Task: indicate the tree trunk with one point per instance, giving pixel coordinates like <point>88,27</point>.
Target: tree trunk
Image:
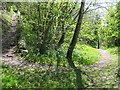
<point>72,46</point>
<point>98,43</point>
<point>61,41</point>
<point>79,79</point>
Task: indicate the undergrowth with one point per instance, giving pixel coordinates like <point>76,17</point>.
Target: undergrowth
<point>113,50</point>
<point>37,78</point>
<point>82,54</point>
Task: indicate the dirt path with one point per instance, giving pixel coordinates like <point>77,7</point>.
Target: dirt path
<point>98,75</point>
<point>103,73</point>
<point>10,58</point>
<point>106,59</point>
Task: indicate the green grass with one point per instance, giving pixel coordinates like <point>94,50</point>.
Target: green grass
<point>8,78</point>
<point>116,52</point>
<point>36,78</point>
<point>106,77</point>
<point>113,50</point>
<point>83,54</point>
<point>42,78</point>
<point>7,16</point>
<point>14,77</point>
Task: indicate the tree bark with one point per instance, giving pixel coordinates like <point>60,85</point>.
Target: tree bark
<point>76,33</point>
<point>98,43</point>
<point>72,46</point>
<point>61,41</point>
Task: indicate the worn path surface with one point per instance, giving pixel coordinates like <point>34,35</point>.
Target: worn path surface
<point>98,78</point>
<point>98,75</point>
<point>106,59</point>
<point>10,58</point>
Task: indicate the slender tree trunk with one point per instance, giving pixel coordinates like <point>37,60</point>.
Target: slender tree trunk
<point>76,33</point>
<point>72,46</point>
<point>39,17</point>
<point>98,43</point>
<point>38,31</point>
<point>61,41</point>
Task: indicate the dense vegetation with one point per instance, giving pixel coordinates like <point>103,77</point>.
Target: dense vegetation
<point>66,39</point>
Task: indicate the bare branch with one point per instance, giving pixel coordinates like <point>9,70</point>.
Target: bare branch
<point>88,7</point>
<point>84,11</point>
<point>95,9</point>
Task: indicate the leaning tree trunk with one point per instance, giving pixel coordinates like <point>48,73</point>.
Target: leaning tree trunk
<point>72,46</point>
<point>61,41</point>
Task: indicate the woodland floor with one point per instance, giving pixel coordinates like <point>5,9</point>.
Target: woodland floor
<point>10,58</point>
<point>102,74</point>
<point>106,59</point>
